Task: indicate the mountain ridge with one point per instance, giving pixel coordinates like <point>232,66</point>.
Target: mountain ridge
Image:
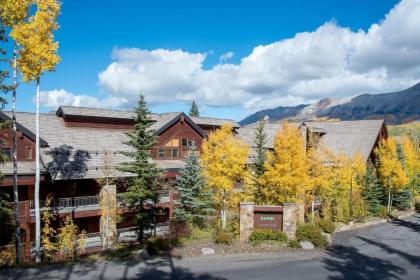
<point>395,107</point>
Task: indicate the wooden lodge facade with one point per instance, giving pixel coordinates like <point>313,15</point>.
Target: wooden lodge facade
<point>81,145</point>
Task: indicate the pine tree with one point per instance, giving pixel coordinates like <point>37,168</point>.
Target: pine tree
<point>403,199</point>
<point>142,190</point>
<point>194,112</point>
<point>260,158</point>
<point>194,202</point>
<point>372,190</point>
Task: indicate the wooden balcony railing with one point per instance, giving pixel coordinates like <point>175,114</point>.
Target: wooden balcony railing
<point>88,201</point>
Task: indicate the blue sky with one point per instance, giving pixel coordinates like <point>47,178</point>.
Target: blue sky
<point>94,35</point>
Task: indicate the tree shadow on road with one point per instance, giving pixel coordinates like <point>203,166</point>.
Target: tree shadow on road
<point>347,263</point>
<point>46,272</point>
<point>413,226</point>
<point>415,260</point>
<point>154,271</point>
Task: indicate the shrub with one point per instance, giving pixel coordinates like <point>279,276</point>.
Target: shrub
<point>294,244</point>
<point>311,232</point>
<point>326,225</point>
<point>260,235</point>
<point>417,206</point>
<point>223,237</point>
<point>155,246</point>
<point>382,212</point>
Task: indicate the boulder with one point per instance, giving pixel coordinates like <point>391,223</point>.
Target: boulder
<point>327,237</point>
<point>208,251</point>
<point>142,254</point>
<point>307,245</point>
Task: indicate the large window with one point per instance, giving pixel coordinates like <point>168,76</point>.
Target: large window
<point>168,152</point>
<point>187,142</point>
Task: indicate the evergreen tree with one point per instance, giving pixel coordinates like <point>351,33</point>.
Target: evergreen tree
<point>403,200</point>
<point>194,112</point>
<point>142,190</point>
<point>260,158</point>
<point>194,202</point>
<point>372,191</point>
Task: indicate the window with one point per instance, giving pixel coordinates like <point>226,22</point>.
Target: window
<point>29,152</point>
<point>187,142</point>
<point>168,153</point>
<point>172,143</point>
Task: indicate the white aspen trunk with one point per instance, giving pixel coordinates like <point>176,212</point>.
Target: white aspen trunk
<point>223,212</point>
<point>14,158</point>
<point>37,179</point>
<point>389,200</point>
<point>313,209</point>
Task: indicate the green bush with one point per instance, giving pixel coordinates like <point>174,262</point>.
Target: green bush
<point>417,206</point>
<point>223,237</point>
<point>155,246</point>
<point>382,212</point>
<point>260,235</point>
<point>294,244</point>
<point>326,225</point>
<point>311,232</point>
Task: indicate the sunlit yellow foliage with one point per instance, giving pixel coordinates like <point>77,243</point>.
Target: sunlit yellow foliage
<point>412,162</point>
<point>38,52</point>
<point>70,240</point>
<point>286,178</point>
<point>223,159</point>
<point>49,248</point>
<point>7,256</point>
<point>14,11</point>
<point>390,169</point>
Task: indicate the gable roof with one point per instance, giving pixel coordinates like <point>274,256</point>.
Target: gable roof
<point>178,118</point>
<point>23,129</point>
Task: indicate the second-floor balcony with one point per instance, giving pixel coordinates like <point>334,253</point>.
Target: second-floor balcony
<point>86,203</point>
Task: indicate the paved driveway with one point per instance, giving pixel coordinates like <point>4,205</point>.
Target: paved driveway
<point>387,251</point>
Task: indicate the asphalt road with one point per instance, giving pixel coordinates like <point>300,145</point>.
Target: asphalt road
<point>386,251</point>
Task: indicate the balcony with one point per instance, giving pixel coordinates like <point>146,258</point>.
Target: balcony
<point>86,203</point>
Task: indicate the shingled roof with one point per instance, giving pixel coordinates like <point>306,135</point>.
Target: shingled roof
<point>160,119</point>
<point>339,137</point>
<point>83,152</point>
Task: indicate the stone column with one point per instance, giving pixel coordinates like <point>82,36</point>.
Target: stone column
<point>246,217</point>
<point>300,215</point>
<point>289,219</point>
<point>108,220</point>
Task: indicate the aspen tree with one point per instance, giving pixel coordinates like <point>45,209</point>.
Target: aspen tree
<point>12,13</point>
<point>412,163</point>
<point>223,159</point>
<point>390,169</point>
<point>285,177</point>
<point>37,55</point>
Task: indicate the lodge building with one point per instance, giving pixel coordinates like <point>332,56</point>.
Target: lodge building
<point>81,145</point>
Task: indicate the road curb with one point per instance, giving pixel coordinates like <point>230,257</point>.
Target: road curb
<point>373,223</point>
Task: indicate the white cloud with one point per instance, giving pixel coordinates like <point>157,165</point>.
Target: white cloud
<point>57,97</point>
<point>226,56</point>
<point>331,61</point>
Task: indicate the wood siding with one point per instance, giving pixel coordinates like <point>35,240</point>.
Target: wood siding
<point>25,145</point>
<point>179,130</point>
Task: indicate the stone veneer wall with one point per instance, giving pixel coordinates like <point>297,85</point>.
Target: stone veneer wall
<point>246,212</point>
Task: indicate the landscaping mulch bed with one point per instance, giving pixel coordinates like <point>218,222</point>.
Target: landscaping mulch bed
<point>191,249</point>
